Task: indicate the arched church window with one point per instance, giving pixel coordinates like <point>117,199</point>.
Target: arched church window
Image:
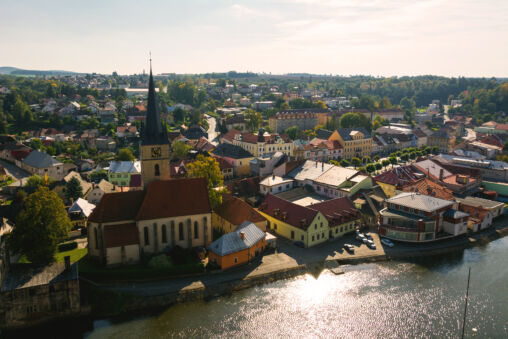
<point>157,171</point>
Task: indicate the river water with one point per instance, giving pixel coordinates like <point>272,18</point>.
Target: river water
<point>422,298</point>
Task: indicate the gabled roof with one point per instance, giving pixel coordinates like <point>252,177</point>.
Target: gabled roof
<point>346,133</point>
<point>323,134</point>
<point>176,197</point>
<point>429,187</point>
<point>230,135</point>
<point>125,167</point>
<point>82,206</point>
<point>237,211</point>
<point>40,160</point>
<point>231,151</point>
<point>233,242</point>
<point>337,210</point>
<point>403,175</point>
<point>117,207</point>
<point>293,214</point>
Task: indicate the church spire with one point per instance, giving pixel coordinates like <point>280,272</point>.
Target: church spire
<point>153,132</point>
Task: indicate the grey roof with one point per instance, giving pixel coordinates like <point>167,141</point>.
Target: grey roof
<point>232,242</point>
<point>323,134</point>
<point>125,167</point>
<point>345,133</point>
<point>153,133</point>
<point>25,275</point>
<point>419,201</point>
<point>309,170</point>
<point>474,201</point>
<point>231,151</point>
<point>40,160</point>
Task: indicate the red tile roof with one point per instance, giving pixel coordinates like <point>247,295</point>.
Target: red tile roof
<point>337,211</point>
<point>398,176</point>
<point>117,207</point>
<point>176,197</point>
<point>230,135</point>
<point>293,214</point>
<point>121,235</point>
<point>429,187</point>
<point>236,211</point>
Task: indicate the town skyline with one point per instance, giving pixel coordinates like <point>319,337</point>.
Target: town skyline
<point>381,38</point>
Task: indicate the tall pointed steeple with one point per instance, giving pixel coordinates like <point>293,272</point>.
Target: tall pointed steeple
<point>153,132</point>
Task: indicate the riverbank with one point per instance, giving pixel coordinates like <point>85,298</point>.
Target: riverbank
<point>117,298</point>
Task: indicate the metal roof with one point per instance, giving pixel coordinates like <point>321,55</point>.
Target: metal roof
<point>233,242</point>
<point>40,160</point>
<point>419,201</point>
<point>125,167</point>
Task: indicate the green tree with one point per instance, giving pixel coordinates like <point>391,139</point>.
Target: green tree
<point>378,166</point>
<point>354,120</point>
<point>125,154</point>
<point>208,168</point>
<point>293,132</point>
<point>356,162</point>
<point>73,189</point>
<point>344,163</point>
<point>393,161</point>
<point>34,180</point>
<point>404,157</point>
<point>36,143</point>
<point>254,120</point>
<point>180,149</point>
<point>366,160</point>
<point>376,158</point>
<point>40,226</point>
<point>385,162</point>
<point>370,168</point>
<point>435,150</point>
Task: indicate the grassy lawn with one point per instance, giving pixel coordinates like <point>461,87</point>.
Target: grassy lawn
<point>75,254</point>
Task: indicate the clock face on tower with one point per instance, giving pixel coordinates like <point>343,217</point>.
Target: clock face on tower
<point>156,152</point>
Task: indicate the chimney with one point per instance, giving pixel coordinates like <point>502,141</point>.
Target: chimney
<point>322,166</point>
<point>441,174</point>
<point>242,235</point>
<point>67,260</point>
<point>273,176</point>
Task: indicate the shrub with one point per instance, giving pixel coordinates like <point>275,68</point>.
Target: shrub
<point>160,262</point>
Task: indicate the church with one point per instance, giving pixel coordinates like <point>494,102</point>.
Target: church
<point>166,213</point>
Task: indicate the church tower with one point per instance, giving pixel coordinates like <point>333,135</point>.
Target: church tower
<point>154,147</point>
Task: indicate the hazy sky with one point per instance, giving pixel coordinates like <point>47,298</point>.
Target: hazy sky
<point>379,37</point>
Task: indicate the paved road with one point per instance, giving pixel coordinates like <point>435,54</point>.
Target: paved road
<point>470,134</point>
<point>212,132</point>
<point>15,172</point>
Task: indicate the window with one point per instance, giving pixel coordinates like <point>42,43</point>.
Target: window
<point>147,240</point>
<point>157,171</point>
<point>236,260</point>
<point>196,231</point>
<point>321,224</point>
<point>164,234</point>
<point>274,225</point>
<point>337,231</point>
<point>180,231</point>
<point>292,235</point>
<point>302,238</point>
<point>315,226</point>
<point>312,238</point>
<point>318,237</point>
<point>341,228</point>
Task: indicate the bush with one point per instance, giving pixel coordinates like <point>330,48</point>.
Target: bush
<point>69,246</point>
<point>160,262</point>
<point>182,256</point>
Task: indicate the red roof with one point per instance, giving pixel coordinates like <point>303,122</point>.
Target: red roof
<point>223,164</point>
<point>236,211</point>
<point>176,197</point>
<point>293,214</point>
<point>503,127</point>
<point>398,176</point>
<point>337,211</point>
<point>230,135</point>
<point>121,235</point>
<point>429,187</point>
<point>117,207</point>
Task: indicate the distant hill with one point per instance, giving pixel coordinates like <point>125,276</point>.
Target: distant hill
<point>25,72</point>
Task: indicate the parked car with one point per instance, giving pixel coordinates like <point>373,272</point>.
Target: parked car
<point>371,244</point>
<point>357,231</point>
<point>365,240</point>
<point>350,248</point>
<point>368,236</point>
<point>387,242</point>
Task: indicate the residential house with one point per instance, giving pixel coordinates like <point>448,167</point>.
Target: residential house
<point>166,214</point>
<point>429,187</point>
<point>263,165</point>
<point>237,122</point>
<point>232,212</point>
<point>495,207</point>
<point>98,191</point>
<point>274,184</point>
<point>443,138</point>
<point>105,144</point>
<point>42,164</point>
<point>127,131</point>
<point>226,168</point>
<point>295,222</point>
<point>397,177</point>
<point>79,212</point>
<point>238,247</point>
<point>479,218</point>
<point>238,157</point>
<point>120,172</point>
<point>415,217</point>
<point>261,143</point>
<point>195,133</point>
<point>354,142</point>
<point>60,187</point>
<point>304,119</point>
<point>342,215</point>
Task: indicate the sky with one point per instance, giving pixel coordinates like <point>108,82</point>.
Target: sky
<point>340,37</point>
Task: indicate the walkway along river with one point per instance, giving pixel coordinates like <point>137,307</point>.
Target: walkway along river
<point>418,298</point>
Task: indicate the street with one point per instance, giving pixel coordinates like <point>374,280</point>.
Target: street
<point>15,172</point>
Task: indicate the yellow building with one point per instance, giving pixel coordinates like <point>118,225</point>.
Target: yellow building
<point>356,142</point>
<point>263,143</point>
<point>295,222</point>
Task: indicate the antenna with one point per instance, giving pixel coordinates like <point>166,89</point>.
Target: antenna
<point>150,53</point>
<point>465,308</point>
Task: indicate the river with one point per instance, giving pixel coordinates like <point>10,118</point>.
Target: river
<point>422,298</point>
